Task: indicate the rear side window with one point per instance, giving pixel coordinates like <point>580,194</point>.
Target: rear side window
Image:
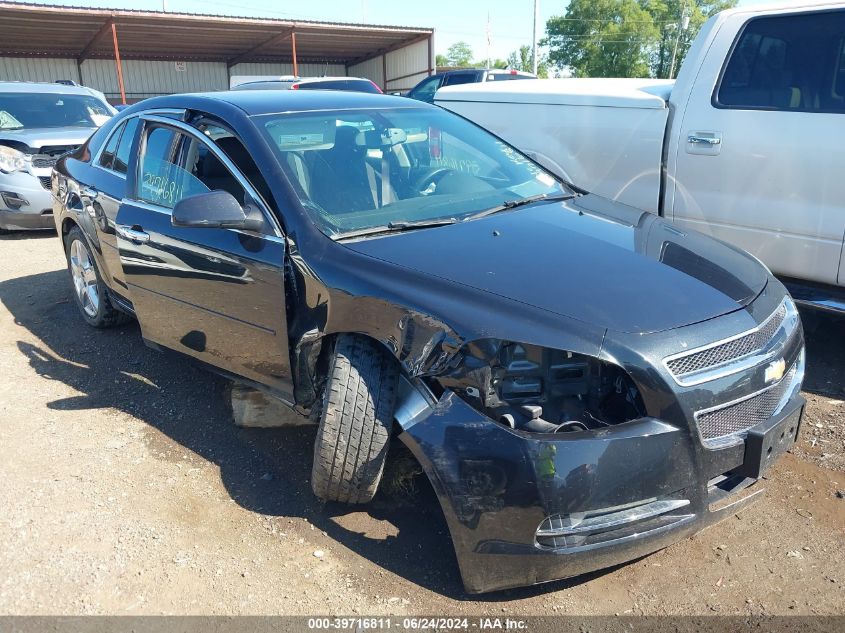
<point>107,155</point>
<point>790,62</point>
<point>121,157</point>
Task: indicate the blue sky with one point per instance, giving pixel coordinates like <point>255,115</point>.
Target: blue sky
<point>454,20</point>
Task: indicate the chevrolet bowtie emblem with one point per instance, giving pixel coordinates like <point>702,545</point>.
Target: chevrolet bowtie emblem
<point>775,371</point>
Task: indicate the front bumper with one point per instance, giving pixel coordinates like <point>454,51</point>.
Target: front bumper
<point>25,202</point>
<point>611,496</point>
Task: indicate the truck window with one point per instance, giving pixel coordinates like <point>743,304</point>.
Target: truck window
<point>461,78</point>
<point>424,91</point>
<point>790,62</point>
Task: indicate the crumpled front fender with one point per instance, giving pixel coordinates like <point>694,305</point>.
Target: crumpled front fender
<point>496,486</point>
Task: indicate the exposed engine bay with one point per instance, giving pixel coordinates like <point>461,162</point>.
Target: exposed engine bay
<point>542,390</point>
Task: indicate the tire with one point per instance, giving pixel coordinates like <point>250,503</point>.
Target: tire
<point>93,298</point>
<point>355,423</point>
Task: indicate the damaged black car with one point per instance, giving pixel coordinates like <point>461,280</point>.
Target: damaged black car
<point>583,383</point>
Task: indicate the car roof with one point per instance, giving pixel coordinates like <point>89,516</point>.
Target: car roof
<point>256,102</point>
<point>319,79</point>
<point>44,87</point>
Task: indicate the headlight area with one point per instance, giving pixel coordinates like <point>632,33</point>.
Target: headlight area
<point>12,160</point>
<point>540,390</point>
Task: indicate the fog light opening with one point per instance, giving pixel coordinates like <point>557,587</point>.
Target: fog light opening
<point>13,200</point>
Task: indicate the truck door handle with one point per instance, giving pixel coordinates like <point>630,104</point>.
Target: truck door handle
<point>132,234</point>
<point>703,140</point>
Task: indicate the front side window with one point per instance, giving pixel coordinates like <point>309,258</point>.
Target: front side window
<point>360,170</point>
<point>175,166</point>
<point>162,181</point>
<point>22,110</point>
<point>791,62</point>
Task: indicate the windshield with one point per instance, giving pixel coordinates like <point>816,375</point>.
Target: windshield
<point>355,170</point>
<point>20,110</point>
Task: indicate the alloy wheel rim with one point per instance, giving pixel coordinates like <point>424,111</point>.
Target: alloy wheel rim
<point>84,278</point>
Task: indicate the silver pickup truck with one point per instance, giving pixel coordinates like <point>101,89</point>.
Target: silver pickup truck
<point>746,146</point>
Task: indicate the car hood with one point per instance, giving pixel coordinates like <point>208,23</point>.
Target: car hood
<point>36,138</point>
<point>590,259</point>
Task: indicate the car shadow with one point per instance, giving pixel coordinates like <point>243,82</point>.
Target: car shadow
<point>825,353</point>
<point>266,471</point>
<point>28,235</point>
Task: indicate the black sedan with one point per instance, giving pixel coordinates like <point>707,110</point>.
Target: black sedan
<point>583,383</point>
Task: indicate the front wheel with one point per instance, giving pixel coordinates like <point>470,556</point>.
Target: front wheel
<point>90,292</point>
<point>354,432</point>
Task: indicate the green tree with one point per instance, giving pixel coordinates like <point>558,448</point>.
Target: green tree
<point>602,38</point>
<point>440,60</point>
<point>670,17</point>
<point>459,55</point>
<point>627,38</point>
<point>501,64</point>
<point>521,60</point>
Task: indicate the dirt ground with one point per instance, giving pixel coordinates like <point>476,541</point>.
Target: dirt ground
<point>126,489</point>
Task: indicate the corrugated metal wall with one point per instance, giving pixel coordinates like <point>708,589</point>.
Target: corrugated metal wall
<point>32,69</point>
<point>371,70</point>
<point>305,70</point>
<point>405,67</point>
<point>143,79</point>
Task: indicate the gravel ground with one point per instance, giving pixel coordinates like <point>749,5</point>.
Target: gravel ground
<point>128,490</point>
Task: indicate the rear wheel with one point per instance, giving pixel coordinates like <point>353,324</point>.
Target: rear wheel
<point>354,432</point>
<point>90,292</point>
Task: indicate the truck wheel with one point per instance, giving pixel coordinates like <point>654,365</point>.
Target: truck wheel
<point>354,432</point>
<point>91,294</point>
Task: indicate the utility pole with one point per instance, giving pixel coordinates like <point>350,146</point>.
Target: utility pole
<point>488,40</point>
<point>534,38</point>
<point>683,25</point>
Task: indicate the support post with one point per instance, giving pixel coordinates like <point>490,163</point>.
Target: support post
<point>118,65</point>
<point>534,60</point>
<point>293,47</point>
<point>431,63</point>
<point>384,72</point>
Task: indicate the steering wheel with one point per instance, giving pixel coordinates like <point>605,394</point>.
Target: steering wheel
<point>431,176</point>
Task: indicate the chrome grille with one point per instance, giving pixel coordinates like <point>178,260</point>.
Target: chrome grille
<point>45,182</point>
<point>729,351</point>
<point>740,416</point>
<point>43,161</point>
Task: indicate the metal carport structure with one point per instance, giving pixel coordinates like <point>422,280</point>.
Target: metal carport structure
<point>136,51</point>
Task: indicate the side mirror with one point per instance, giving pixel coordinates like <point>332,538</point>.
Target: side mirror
<point>215,210</point>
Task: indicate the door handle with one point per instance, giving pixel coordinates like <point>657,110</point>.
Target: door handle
<point>132,234</point>
<point>704,140</point>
